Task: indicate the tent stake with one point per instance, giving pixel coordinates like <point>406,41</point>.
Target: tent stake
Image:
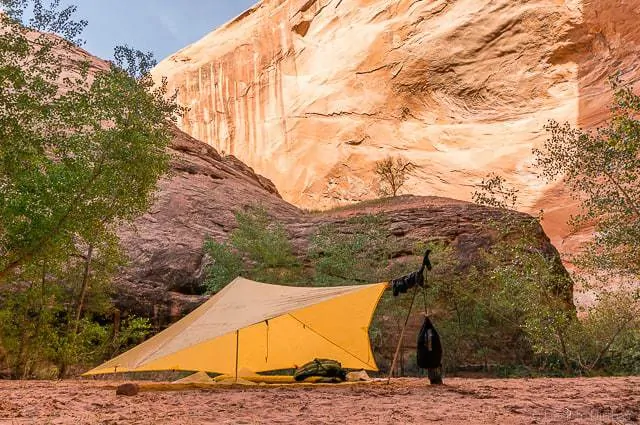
<point>237,349</point>
<point>406,320</point>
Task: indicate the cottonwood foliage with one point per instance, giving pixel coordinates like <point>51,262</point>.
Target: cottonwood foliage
<point>529,292</point>
<point>259,248</point>
<point>82,146</point>
<point>602,169</point>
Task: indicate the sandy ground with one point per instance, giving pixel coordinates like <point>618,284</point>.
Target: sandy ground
<point>405,401</point>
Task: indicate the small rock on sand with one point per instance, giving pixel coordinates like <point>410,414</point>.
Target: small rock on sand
<point>128,389</point>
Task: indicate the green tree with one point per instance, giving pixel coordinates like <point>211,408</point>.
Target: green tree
<point>528,291</point>
<point>494,191</point>
<point>263,240</point>
<point>137,64</point>
<point>226,265</point>
<point>80,149</point>
<point>358,252</point>
<point>55,318</point>
<point>602,169</point>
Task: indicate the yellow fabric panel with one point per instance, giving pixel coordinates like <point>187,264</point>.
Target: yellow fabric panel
<point>303,323</point>
<point>291,344</point>
<point>345,320</point>
<point>216,355</point>
<point>282,344</point>
<point>133,358</point>
<point>242,303</point>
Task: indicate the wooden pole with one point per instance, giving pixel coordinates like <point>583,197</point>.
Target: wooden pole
<point>395,356</point>
<point>237,350</point>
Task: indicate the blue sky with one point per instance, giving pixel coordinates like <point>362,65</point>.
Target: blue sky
<point>160,26</point>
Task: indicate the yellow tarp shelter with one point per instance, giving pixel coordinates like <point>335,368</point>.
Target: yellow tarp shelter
<point>262,327</point>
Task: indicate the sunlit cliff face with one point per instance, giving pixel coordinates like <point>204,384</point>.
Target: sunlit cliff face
<point>312,92</point>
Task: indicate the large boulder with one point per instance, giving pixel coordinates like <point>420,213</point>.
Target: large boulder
<point>164,279</point>
<point>165,246</point>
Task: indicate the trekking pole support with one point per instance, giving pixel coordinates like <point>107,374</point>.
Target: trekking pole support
<point>237,352</point>
<point>406,320</point>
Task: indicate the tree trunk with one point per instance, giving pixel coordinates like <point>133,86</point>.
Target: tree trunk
<point>83,290</point>
<point>116,330</point>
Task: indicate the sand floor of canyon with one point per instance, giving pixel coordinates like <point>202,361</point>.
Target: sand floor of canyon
<point>405,401</point>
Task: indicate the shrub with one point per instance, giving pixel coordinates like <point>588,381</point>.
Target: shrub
<point>259,248</point>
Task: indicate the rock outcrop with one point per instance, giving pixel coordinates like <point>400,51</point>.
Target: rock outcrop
<point>198,199</point>
<point>310,93</point>
<point>165,245</point>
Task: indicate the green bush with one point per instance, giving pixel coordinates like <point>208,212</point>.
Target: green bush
<point>227,265</point>
<point>359,253</point>
<point>41,339</point>
<point>262,240</point>
<point>258,248</point>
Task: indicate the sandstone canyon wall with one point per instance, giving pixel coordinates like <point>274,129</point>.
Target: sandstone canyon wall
<point>311,93</point>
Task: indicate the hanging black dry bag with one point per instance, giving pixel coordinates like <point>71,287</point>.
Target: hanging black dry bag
<point>429,355</point>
